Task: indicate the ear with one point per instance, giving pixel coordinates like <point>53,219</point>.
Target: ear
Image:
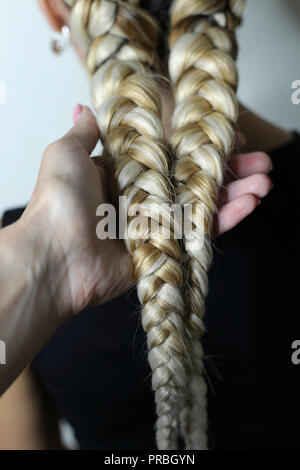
<point>56,12</point>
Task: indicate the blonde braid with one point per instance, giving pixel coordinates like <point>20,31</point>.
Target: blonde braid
<point>120,40</point>
<point>204,78</point>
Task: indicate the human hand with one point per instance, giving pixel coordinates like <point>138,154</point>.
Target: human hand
<point>83,269</point>
<point>247,182</point>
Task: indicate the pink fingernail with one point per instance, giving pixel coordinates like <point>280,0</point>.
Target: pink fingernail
<point>78,110</point>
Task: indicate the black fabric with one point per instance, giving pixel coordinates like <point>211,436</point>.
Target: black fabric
<point>9,217</point>
<point>95,368</point>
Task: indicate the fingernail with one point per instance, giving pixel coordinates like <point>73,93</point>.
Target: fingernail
<point>78,110</point>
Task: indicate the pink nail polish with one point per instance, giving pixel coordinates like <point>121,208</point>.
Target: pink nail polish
<point>78,110</point>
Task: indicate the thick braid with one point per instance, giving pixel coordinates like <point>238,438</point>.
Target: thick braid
<point>204,77</point>
<point>120,39</point>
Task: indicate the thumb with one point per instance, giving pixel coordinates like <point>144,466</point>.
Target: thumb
<point>85,128</point>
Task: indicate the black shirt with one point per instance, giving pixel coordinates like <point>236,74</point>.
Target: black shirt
<point>95,367</point>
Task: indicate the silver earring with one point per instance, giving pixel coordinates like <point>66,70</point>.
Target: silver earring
<point>61,40</point>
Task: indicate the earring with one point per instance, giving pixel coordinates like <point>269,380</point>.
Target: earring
<point>61,41</point>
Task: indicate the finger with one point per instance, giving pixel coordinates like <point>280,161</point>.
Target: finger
<point>85,130</point>
<point>259,185</point>
<point>233,213</point>
<point>242,165</point>
<point>103,175</point>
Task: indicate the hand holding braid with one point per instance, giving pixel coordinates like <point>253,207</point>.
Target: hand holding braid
<point>119,38</point>
<point>204,77</point>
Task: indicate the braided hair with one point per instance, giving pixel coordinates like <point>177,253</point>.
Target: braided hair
<point>129,45</point>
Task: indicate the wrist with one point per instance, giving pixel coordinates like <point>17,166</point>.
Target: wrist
<point>28,314</point>
<point>28,253</point>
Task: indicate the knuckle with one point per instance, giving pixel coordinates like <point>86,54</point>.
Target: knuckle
<point>67,142</point>
<point>53,148</point>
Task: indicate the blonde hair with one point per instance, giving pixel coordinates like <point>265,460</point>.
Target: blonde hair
<point>120,40</point>
<point>204,78</point>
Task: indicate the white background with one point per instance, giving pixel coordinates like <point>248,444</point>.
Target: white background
<point>42,89</point>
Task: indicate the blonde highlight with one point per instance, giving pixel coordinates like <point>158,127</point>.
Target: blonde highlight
<point>120,40</point>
